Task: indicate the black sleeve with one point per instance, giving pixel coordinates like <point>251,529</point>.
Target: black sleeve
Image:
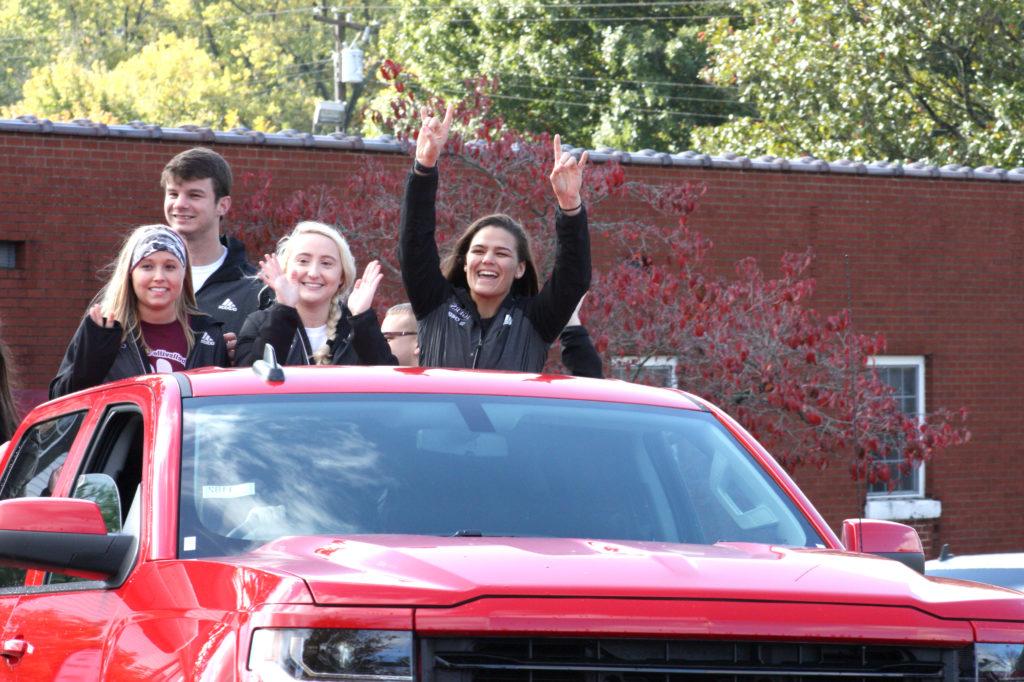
<point>88,358</point>
<point>424,284</point>
<point>570,278</point>
<point>276,325</point>
<point>578,353</point>
<point>368,341</point>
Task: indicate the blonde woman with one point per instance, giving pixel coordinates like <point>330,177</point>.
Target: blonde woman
<point>313,275</point>
<point>144,319</point>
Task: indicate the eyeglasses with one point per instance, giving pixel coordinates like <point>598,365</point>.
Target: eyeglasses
<point>395,335</point>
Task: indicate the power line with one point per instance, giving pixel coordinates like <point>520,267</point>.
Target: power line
<point>666,97</point>
<point>635,82</point>
<point>576,20</point>
<point>579,5</point>
<point>590,104</point>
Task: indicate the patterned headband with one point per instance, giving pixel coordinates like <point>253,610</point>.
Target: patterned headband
<point>159,238</point>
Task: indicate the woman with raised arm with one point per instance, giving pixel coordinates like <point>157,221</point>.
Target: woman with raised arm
<point>483,306</point>
<point>145,318</point>
<point>312,275</point>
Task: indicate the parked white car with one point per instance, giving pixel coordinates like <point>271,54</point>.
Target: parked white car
<point>1004,570</point>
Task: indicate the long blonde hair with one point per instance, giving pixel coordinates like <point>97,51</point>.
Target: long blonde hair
<point>321,355</point>
<point>117,297</point>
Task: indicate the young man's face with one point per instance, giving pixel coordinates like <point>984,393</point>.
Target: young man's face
<point>191,207</point>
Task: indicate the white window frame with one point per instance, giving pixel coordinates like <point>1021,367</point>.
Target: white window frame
<point>904,504</point>
<point>652,362</point>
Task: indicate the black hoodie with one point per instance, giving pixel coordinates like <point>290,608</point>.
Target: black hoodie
<point>233,292</point>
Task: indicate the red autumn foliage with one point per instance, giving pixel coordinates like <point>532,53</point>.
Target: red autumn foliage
<point>799,381</point>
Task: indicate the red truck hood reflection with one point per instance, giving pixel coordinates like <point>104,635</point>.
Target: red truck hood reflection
<point>413,570</point>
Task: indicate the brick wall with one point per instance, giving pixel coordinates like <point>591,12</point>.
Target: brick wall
<point>932,263</point>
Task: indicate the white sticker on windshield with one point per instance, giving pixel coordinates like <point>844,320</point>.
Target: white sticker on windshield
<point>189,543</point>
<point>227,492</point>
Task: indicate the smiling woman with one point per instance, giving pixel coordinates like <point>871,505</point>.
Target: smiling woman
<point>490,275</point>
<point>312,275</point>
<point>144,319</point>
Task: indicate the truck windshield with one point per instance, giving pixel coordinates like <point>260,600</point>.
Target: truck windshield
<point>256,468</point>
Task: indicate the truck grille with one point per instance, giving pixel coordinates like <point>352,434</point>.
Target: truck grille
<point>646,660</point>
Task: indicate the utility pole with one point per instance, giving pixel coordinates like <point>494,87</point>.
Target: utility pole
<point>340,28</point>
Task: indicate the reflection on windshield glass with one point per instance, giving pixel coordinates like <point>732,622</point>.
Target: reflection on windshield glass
<point>258,468</point>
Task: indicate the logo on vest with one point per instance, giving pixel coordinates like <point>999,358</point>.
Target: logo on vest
<point>458,314</point>
<point>228,304</point>
<point>206,340</point>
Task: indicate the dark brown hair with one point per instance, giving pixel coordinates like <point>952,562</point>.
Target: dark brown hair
<point>454,265</point>
<point>199,163</point>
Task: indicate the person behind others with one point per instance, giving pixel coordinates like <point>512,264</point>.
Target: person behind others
<point>312,275</point>
<point>399,328</point>
<point>8,406</point>
<point>145,318</point>
<point>197,195</point>
<point>579,356</point>
<point>482,307</point>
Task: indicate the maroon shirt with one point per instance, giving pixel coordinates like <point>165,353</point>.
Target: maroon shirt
<point>167,346</point>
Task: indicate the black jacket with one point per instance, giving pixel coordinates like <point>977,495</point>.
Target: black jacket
<point>450,332</point>
<point>97,355</point>
<point>357,340</point>
<point>233,292</point>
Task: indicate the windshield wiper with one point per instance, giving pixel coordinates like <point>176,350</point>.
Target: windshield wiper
<point>468,533</point>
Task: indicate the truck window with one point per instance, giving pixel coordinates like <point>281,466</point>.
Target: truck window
<point>34,468</point>
<point>114,454</point>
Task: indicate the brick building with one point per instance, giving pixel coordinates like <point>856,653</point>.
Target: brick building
<point>930,257</point>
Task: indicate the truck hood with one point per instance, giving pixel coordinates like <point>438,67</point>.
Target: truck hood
<point>427,571</point>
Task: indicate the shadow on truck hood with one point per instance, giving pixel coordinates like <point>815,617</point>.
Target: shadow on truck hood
<point>427,571</point>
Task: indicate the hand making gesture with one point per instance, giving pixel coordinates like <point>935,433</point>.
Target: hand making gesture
<point>433,135</point>
<point>285,285</point>
<point>567,177</point>
<point>106,321</point>
<point>361,298</point>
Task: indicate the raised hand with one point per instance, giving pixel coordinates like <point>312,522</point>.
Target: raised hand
<point>363,291</point>
<point>567,176</point>
<point>433,135</point>
<point>101,320</point>
<point>285,286</point>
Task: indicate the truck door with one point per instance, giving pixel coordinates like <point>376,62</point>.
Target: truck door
<point>66,620</point>
<point>32,471</point>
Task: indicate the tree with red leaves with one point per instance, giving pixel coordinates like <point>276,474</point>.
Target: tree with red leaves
<point>799,381</point>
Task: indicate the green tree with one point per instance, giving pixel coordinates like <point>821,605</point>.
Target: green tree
<point>934,80</point>
<point>620,74</point>
<point>208,62</point>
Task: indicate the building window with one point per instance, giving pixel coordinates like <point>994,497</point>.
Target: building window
<point>8,255</point>
<point>905,500</point>
<point>905,373</point>
<point>654,370</point>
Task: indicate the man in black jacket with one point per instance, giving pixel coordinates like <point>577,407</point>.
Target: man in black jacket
<point>197,193</point>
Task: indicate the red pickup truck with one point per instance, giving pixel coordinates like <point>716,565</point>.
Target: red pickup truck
<point>443,525</point>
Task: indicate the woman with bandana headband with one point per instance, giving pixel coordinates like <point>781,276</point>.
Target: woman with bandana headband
<point>144,319</point>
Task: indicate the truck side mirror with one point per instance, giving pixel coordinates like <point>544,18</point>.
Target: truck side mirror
<point>884,538</point>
